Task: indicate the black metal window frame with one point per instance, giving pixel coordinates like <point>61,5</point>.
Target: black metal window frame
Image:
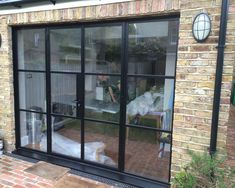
<point>91,167</point>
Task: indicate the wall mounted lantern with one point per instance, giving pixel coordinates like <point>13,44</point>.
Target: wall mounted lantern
<point>201,27</point>
<point>0,40</point>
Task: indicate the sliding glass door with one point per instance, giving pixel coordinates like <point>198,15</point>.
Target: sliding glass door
<point>100,94</point>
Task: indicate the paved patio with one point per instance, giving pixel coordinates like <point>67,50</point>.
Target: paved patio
<point>12,174</point>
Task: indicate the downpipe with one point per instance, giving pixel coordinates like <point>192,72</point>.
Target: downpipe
<point>218,76</point>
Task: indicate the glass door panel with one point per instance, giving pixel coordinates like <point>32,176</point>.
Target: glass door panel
<point>33,130</point>
<point>32,91</point>
<point>66,136</point>
<point>150,102</point>
<point>66,91</point>
<point>102,97</point>
<point>66,108</point>
<point>65,50</point>
<point>147,153</point>
<point>101,143</point>
<point>152,48</point>
<point>64,94</point>
<point>103,57</point>
<point>103,49</point>
<point>31,49</point>
<point>32,88</point>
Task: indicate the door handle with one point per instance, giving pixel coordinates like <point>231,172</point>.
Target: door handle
<point>78,104</point>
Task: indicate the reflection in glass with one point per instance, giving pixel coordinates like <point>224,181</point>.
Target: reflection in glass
<point>103,49</point>
<point>102,97</point>
<point>150,102</point>
<point>32,91</point>
<point>31,49</point>
<point>65,49</point>
<point>147,153</point>
<point>66,136</point>
<point>63,94</point>
<point>101,143</point>
<point>33,131</point>
<point>152,48</point>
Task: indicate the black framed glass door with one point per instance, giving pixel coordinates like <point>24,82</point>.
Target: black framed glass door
<point>30,82</point>
<point>102,59</point>
<point>66,91</point>
<point>150,83</point>
<point>85,101</point>
<point>66,114</point>
<point>99,93</point>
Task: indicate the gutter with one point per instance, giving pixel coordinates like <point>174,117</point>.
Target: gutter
<point>18,3</point>
<point>218,76</point>
<point>45,5</point>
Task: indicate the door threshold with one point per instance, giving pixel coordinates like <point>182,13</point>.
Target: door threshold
<point>100,174</point>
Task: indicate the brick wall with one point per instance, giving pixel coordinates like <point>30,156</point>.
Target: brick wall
<point>195,66</point>
<point>6,86</point>
<point>195,83</point>
<point>230,62</point>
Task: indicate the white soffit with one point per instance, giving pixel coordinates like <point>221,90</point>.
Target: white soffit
<point>43,6</point>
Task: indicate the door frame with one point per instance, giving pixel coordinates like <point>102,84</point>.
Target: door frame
<point>87,166</point>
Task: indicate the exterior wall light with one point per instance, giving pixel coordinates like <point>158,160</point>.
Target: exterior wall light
<point>0,40</point>
<point>201,27</point>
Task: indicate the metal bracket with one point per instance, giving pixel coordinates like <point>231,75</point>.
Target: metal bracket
<point>220,46</point>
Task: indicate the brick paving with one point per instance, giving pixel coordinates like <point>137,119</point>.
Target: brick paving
<point>12,174</point>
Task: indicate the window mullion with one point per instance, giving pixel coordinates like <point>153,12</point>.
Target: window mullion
<point>122,131</point>
<point>48,90</point>
<point>83,89</point>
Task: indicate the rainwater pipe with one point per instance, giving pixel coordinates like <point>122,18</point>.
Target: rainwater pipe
<point>218,76</point>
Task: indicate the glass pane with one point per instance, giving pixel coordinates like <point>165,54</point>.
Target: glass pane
<point>101,143</point>
<point>103,49</point>
<point>66,136</point>
<point>102,97</point>
<point>150,102</point>
<point>31,49</point>
<point>63,94</point>
<point>33,131</point>
<point>152,48</point>
<point>152,162</point>
<point>65,49</point>
<point>32,91</point>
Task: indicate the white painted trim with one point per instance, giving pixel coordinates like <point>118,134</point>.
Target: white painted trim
<point>73,4</point>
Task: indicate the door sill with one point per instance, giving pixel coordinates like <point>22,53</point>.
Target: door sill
<point>121,177</point>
